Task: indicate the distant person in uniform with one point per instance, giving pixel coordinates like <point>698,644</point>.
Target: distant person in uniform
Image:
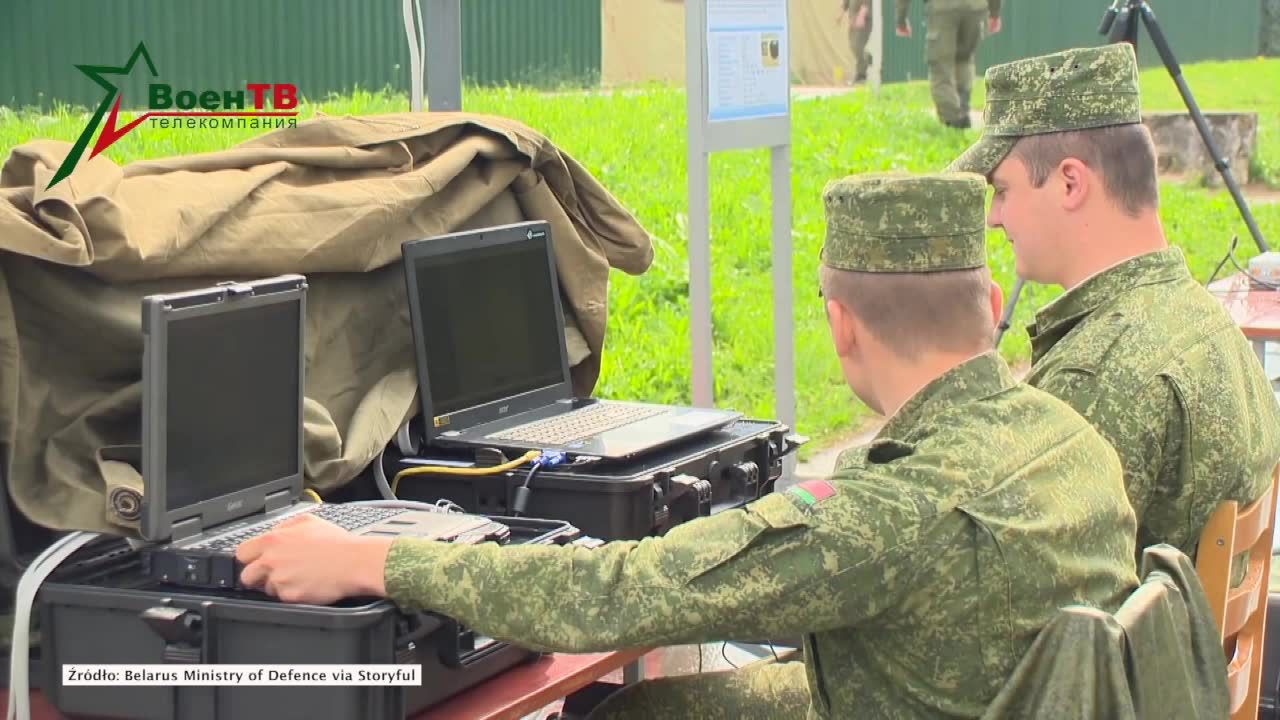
<point>1135,344</point>
<point>919,573</point>
<point>954,32</point>
<point>857,14</point>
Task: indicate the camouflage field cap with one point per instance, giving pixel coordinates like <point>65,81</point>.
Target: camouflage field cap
<point>1070,90</point>
<point>898,222</point>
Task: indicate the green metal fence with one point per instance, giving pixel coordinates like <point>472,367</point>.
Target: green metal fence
<point>322,46</point>
<point>1196,30</point>
<point>1270,28</point>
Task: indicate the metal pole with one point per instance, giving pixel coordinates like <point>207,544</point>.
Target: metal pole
<point>784,361</point>
<point>699,224</point>
<point>1009,307</point>
<point>1219,162</point>
<point>409,8</point>
<point>877,45</point>
<point>443,28</point>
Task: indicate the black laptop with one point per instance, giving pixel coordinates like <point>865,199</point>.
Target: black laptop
<point>222,433</point>
<point>493,366</point>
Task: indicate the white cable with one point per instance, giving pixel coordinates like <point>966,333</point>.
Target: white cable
<point>405,441</point>
<point>20,641</point>
<point>380,477</point>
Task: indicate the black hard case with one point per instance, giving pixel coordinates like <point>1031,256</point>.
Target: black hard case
<point>101,609</point>
<point>632,499</point>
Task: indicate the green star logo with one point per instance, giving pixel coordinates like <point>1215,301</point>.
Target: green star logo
<point>110,134</point>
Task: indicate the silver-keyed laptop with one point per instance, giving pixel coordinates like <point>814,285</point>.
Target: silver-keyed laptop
<point>222,433</point>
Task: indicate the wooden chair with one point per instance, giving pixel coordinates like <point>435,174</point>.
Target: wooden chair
<point>1241,611</point>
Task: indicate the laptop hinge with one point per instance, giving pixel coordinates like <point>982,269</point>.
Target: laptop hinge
<point>183,529</point>
<point>278,500</point>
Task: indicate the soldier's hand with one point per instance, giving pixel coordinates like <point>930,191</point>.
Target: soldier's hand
<point>308,560</point>
<point>993,25</point>
<point>903,30</point>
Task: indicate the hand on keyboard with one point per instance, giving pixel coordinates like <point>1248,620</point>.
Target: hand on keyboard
<point>310,560</point>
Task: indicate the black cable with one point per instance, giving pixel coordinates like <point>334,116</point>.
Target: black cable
<point>1224,260</point>
<point>699,658</point>
<point>725,655</point>
<point>521,501</point>
<point>1231,254</point>
<point>774,651</point>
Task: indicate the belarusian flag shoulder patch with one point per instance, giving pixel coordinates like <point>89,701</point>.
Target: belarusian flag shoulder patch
<point>812,492</point>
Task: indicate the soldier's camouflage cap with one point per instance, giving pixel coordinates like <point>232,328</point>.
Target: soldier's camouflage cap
<point>1071,90</point>
<point>899,222</point>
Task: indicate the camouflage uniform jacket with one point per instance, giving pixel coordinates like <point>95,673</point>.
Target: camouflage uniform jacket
<point>902,8</point>
<point>1156,364</point>
<point>919,574</point>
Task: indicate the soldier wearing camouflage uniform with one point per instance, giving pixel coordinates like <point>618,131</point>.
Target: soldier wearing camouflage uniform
<point>918,574</point>
<point>954,30</point>
<point>857,13</point>
<point>1135,344</point>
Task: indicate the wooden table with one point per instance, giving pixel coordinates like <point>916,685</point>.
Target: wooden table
<point>1255,311</point>
<point>513,694</point>
<point>525,689</point>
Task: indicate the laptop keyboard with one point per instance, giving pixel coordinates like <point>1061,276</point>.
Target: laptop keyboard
<point>349,517</point>
<point>576,425</point>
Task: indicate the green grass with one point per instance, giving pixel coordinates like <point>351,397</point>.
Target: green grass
<point>634,142</point>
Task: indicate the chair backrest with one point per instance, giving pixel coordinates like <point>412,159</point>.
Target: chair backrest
<point>1172,648</point>
<point>1239,606</point>
<point>1157,657</point>
<point>1075,670</point>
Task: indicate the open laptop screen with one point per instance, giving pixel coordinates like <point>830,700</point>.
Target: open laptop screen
<point>232,401</point>
<point>489,323</point>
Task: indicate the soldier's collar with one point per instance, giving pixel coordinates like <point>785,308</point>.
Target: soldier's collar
<point>1059,316</point>
<point>974,379</point>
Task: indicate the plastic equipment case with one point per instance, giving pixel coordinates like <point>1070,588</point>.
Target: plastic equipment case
<point>100,609</point>
<point>626,500</point>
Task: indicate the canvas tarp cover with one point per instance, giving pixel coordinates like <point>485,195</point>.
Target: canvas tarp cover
<point>332,199</point>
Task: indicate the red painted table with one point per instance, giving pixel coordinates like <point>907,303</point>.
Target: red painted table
<point>1255,311</point>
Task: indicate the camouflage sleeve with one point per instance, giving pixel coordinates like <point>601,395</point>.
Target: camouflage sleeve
<point>901,8</point>
<point>782,566</point>
<point>993,8</point>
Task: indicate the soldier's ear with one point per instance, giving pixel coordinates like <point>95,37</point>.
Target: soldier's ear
<point>1077,183</point>
<point>843,328</point>
<point>997,303</point>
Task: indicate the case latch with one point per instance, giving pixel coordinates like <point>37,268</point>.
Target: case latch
<point>745,477</point>
<point>235,289</point>
<point>181,630</point>
<point>701,488</point>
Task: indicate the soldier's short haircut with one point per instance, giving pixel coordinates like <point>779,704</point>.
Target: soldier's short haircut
<point>912,313</point>
<point>1124,155</point>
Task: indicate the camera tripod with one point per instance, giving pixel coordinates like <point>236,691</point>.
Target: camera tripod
<point>1120,24</point>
